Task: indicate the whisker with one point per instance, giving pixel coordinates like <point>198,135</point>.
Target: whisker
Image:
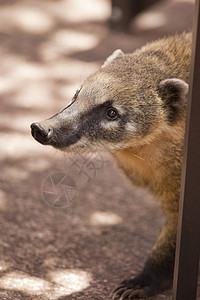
<point>137,156</point>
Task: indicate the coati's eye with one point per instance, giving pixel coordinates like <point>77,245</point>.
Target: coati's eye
<point>111,113</point>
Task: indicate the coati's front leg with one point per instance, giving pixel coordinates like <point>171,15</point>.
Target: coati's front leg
<point>157,274</point>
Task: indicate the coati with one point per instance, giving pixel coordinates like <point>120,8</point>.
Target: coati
<point>134,106</point>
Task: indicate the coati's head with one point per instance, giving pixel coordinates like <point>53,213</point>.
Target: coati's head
<point>117,107</point>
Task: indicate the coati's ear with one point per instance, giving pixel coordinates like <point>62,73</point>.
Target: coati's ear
<point>174,94</point>
<point>110,58</point>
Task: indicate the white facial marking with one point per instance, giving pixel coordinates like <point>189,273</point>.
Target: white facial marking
<point>110,125</point>
<point>120,109</point>
<point>131,127</point>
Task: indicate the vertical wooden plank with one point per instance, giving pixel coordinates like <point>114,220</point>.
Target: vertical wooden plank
<point>188,236</point>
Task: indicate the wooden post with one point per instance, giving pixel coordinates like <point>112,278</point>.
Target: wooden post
<point>188,236</point>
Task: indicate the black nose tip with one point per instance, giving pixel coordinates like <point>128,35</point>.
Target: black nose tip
<point>41,133</point>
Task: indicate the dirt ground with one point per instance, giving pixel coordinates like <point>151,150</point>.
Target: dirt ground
<point>71,226</point>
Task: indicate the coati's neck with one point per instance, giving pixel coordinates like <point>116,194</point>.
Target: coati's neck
<point>137,164</point>
<point>156,165</point>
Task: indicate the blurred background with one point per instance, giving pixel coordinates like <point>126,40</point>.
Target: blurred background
<point>71,226</point>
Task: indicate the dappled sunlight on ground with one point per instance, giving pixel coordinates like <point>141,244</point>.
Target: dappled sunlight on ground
<point>34,85</point>
<point>71,280</point>
<point>150,20</point>
<point>60,283</point>
<point>105,219</point>
<point>69,41</point>
<point>12,146</point>
<point>50,75</point>
<point>166,17</point>
<point>36,17</point>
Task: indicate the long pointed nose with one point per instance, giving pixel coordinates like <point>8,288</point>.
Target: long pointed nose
<point>41,133</point>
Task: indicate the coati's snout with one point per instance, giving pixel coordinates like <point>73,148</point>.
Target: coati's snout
<point>60,131</point>
<point>41,133</point>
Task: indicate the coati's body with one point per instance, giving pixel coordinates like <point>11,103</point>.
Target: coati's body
<point>135,107</point>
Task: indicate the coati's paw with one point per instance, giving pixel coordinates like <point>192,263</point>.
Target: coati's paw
<point>138,288</point>
<point>131,291</point>
<point>124,292</point>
